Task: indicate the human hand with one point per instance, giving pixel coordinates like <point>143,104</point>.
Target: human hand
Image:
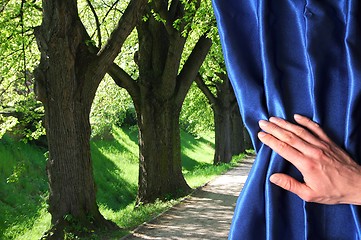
<point>330,175</point>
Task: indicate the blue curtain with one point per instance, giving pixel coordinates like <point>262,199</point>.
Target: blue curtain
<point>285,57</point>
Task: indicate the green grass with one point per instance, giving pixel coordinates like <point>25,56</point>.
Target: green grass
<point>23,182</point>
<point>23,188</point>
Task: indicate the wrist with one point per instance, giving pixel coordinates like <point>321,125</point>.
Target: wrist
<point>355,190</point>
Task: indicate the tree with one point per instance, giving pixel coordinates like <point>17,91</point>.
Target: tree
<point>159,91</point>
<point>229,129</point>
<point>67,78</point>
<point>231,138</point>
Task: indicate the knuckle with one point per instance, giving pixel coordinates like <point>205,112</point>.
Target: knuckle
<point>318,153</point>
<point>282,146</point>
<point>314,124</point>
<point>311,166</point>
<point>273,127</point>
<point>309,122</point>
<point>288,186</point>
<point>300,131</point>
<point>290,138</point>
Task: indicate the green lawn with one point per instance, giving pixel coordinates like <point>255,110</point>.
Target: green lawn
<point>24,190</point>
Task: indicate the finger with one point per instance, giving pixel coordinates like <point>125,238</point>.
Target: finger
<point>317,138</point>
<point>312,126</point>
<point>283,149</point>
<point>290,184</point>
<point>297,130</point>
<point>285,136</point>
<point>335,151</point>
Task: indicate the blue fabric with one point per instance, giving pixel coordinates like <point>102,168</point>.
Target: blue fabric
<point>285,57</point>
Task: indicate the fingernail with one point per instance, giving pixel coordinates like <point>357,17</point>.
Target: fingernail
<point>297,117</point>
<point>261,134</point>
<point>274,179</point>
<point>262,123</point>
<point>272,119</point>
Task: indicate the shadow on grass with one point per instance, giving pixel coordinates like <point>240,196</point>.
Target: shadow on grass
<point>113,191</point>
<point>132,132</point>
<point>189,142</point>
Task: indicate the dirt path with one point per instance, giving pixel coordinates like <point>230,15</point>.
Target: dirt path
<point>206,214</point>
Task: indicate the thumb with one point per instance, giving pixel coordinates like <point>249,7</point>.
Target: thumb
<point>286,182</point>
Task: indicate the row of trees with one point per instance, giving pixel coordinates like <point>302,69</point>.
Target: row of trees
<point>173,49</point>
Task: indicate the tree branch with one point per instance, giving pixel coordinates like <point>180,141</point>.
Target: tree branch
<point>173,9</point>
<point>124,80</point>
<point>206,91</point>
<point>7,88</point>
<point>222,76</point>
<point>192,65</point>
<point>161,7</point>
<point>3,5</point>
<point>171,67</point>
<point>126,24</point>
<point>39,8</point>
<point>96,22</point>
<point>23,42</point>
<point>14,114</point>
<point>106,14</point>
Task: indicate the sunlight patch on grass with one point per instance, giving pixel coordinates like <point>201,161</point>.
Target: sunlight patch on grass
<point>40,225</point>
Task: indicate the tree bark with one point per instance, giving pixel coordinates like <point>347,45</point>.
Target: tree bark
<point>160,168</point>
<point>229,127</point>
<point>223,134</point>
<point>241,141</point>
<point>67,78</point>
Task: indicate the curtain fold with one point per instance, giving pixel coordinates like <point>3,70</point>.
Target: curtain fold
<point>285,57</point>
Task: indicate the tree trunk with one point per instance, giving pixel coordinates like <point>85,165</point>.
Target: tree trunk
<point>67,78</point>
<point>229,127</point>
<point>223,134</point>
<point>160,169</point>
<point>67,107</point>
<point>238,136</point>
<point>72,189</point>
<point>69,164</point>
<point>247,139</point>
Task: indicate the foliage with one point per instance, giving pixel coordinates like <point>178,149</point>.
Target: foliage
<point>196,115</point>
<point>214,62</point>
<point>111,105</point>
<point>101,16</point>
<point>19,56</point>
<point>25,120</point>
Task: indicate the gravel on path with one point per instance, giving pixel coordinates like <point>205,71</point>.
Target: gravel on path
<point>206,214</point>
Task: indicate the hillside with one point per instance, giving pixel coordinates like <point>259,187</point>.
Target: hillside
<point>24,190</point>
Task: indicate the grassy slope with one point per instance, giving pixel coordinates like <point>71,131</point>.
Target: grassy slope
<point>23,185</point>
